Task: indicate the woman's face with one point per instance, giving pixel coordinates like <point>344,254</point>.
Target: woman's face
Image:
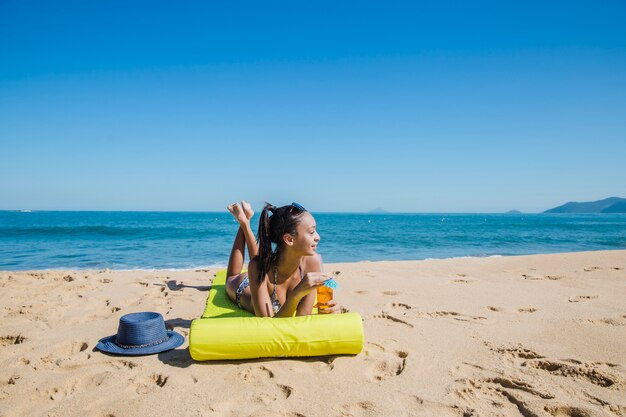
<point>305,241</point>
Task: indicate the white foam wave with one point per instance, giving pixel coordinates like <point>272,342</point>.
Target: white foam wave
<point>464,257</point>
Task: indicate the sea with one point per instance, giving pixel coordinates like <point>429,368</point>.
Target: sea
<point>190,240</point>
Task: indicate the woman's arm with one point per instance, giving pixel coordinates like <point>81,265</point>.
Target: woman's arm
<point>302,298</point>
<point>306,289</point>
<point>261,302</point>
<point>312,264</point>
<point>291,304</point>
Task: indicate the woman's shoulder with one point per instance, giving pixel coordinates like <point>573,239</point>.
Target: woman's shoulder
<point>312,263</point>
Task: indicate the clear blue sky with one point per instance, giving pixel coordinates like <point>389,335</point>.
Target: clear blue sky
<point>341,106</point>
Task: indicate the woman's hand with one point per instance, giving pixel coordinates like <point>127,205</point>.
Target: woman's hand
<point>331,307</point>
<point>310,282</point>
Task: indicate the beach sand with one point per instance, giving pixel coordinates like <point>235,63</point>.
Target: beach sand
<point>541,335</point>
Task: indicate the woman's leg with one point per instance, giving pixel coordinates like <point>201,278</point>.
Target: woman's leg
<point>237,255</point>
<point>234,278</point>
<point>243,213</point>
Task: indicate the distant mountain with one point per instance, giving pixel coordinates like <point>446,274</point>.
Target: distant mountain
<point>378,210</point>
<point>619,207</point>
<point>608,205</point>
<point>513,212</point>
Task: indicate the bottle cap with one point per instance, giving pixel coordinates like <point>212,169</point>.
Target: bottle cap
<point>331,283</point>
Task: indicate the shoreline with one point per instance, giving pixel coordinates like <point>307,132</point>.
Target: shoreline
<point>444,337</point>
<point>217,267</point>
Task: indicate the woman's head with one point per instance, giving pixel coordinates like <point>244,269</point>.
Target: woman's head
<point>289,228</point>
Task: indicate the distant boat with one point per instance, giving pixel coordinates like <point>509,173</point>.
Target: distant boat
<point>25,211</point>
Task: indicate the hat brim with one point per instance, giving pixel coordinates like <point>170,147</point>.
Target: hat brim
<point>108,345</point>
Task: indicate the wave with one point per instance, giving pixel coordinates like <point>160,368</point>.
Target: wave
<point>104,231</point>
<point>471,257</point>
<point>218,265</point>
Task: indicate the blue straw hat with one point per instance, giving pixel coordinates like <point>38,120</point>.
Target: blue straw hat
<point>141,334</point>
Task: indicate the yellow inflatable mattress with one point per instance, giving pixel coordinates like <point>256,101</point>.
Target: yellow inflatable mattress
<point>226,332</point>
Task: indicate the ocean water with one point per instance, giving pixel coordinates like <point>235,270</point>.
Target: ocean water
<point>186,240</point>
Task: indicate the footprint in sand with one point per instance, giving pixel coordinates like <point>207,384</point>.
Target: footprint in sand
<point>263,376</point>
<point>545,277</point>
<point>160,380</point>
<point>554,277</point>
<point>396,313</point>
<point>462,281</point>
<point>391,293</point>
<point>149,384</point>
<point>280,392</point>
<point>568,411</point>
<point>402,313</point>
<point>591,268</point>
<point>492,308</point>
<point>597,373</point>
<point>397,404</point>
<point>220,409</point>
<point>358,409</point>
<point>589,372</point>
<point>514,352</point>
<point>123,364</point>
<point>256,374</point>
<point>58,392</point>
<point>25,311</point>
<point>531,277</point>
<point>12,340</point>
<point>579,298</point>
<point>450,314</point>
<point>527,310</point>
<point>510,396</point>
<point>11,381</point>
<point>611,321</point>
<point>74,347</point>
<point>382,363</point>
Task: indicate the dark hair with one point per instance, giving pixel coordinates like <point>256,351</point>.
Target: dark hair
<point>272,229</point>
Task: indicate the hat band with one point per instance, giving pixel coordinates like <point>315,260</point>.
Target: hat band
<point>141,346</point>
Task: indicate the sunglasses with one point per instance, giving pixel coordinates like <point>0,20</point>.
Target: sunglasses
<point>297,207</point>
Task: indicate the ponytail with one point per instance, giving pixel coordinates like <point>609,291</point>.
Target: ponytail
<point>266,254</point>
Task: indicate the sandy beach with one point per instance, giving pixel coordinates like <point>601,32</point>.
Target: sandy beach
<point>541,335</point>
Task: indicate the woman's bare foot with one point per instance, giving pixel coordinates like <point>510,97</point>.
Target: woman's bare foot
<point>238,213</point>
<point>247,208</point>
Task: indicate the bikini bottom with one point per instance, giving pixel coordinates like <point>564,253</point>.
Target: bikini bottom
<point>244,283</point>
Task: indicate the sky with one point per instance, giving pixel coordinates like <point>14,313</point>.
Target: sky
<point>340,106</point>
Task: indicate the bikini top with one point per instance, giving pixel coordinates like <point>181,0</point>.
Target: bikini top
<point>276,305</point>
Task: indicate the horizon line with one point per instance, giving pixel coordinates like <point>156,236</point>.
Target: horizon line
<point>312,211</point>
